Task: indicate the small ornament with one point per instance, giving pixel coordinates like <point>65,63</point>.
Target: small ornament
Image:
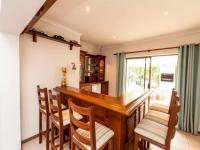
<point>73,66</point>
<point>64,80</point>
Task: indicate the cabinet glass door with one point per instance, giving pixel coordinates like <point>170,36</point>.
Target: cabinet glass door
<point>101,69</point>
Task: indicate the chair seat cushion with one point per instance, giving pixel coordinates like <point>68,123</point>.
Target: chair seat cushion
<point>158,117</point>
<point>152,130</point>
<point>54,103</point>
<point>160,107</point>
<point>63,107</point>
<point>66,117</point>
<point>103,135</point>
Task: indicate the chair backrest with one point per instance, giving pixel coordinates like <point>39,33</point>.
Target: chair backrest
<point>173,119</point>
<point>174,93</point>
<point>88,125</point>
<point>43,99</point>
<point>55,108</point>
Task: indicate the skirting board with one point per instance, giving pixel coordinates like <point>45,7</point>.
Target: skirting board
<point>29,139</point>
<point>32,137</point>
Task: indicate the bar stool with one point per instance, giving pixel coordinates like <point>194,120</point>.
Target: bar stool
<point>59,119</point>
<point>156,133</point>
<point>88,135</point>
<point>43,110</point>
<point>161,117</point>
<point>161,107</point>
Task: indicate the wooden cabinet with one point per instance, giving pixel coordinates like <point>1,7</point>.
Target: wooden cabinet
<point>92,67</point>
<point>104,87</point>
<point>92,71</point>
<point>82,66</point>
<point>92,87</point>
<point>87,87</point>
<point>101,67</point>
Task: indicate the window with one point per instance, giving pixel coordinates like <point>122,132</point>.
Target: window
<point>152,72</point>
<point>163,72</point>
<point>135,74</point>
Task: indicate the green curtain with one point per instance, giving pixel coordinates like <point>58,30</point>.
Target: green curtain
<point>120,74</point>
<point>188,85</point>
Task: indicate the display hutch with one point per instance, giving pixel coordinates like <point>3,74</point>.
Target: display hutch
<point>92,71</point>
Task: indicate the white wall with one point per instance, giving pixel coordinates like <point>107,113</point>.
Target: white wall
<point>90,48</point>
<point>41,64</point>
<point>10,138</point>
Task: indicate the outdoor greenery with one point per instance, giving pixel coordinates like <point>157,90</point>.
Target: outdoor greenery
<point>137,74</point>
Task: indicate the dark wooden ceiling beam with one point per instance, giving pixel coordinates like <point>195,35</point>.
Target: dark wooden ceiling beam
<point>45,7</point>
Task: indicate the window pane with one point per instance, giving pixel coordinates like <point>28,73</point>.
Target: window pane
<point>163,76</point>
<point>135,74</point>
<point>147,73</point>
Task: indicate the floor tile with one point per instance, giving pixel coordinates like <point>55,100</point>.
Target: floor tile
<point>181,141</point>
<point>194,142</point>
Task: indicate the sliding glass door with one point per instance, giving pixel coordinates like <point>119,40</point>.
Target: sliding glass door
<point>163,72</point>
<point>152,72</point>
<point>137,76</point>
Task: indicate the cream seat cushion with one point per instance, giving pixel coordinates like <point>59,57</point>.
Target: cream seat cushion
<point>158,117</point>
<point>66,117</point>
<point>103,134</point>
<point>160,107</point>
<point>54,103</point>
<point>152,130</point>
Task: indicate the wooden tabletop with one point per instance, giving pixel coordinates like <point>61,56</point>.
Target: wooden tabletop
<point>125,104</point>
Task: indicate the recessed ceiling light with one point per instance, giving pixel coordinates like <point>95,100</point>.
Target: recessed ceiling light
<point>88,9</point>
<point>166,13</point>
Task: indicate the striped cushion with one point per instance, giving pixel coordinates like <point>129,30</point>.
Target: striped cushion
<point>158,117</point>
<point>103,134</point>
<point>63,106</point>
<point>66,117</point>
<point>55,104</point>
<point>160,107</point>
<point>152,130</point>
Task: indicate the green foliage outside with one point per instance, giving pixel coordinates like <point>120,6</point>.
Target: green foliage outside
<point>137,74</point>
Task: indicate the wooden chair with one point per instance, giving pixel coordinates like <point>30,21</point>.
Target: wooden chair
<point>88,135</point>
<point>161,107</point>
<point>156,133</point>
<point>161,117</point>
<point>43,110</point>
<point>59,119</point>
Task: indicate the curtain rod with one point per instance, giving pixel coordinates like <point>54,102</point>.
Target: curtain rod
<point>149,50</point>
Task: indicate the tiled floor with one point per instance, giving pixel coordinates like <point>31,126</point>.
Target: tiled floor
<point>181,141</point>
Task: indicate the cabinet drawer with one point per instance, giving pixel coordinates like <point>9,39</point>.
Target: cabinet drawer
<point>87,88</point>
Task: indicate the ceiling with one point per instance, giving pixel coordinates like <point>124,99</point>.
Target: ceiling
<point>109,22</point>
<point>16,14</point>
